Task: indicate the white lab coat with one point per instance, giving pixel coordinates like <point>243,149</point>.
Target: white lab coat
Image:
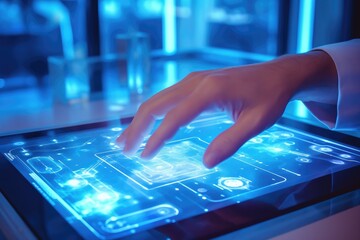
<point>346,56</point>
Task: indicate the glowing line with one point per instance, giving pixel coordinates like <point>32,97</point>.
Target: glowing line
<point>217,186</point>
<point>320,139</point>
<point>141,213</point>
<point>9,156</point>
<point>93,166</point>
<point>305,25</point>
<point>289,171</point>
<point>169,26</point>
<point>192,190</point>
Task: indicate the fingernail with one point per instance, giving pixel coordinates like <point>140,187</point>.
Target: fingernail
<point>129,152</point>
<point>119,144</point>
<point>145,154</point>
<point>209,159</point>
<point>120,140</point>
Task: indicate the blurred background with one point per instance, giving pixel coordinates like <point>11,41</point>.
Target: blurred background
<point>61,64</point>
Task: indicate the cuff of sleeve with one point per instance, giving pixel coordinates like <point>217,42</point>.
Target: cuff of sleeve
<point>325,113</point>
<point>346,56</point>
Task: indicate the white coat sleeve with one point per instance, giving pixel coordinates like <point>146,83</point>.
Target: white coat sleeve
<point>346,56</point>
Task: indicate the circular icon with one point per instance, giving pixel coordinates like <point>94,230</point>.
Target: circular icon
<point>231,182</point>
<point>337,162</point>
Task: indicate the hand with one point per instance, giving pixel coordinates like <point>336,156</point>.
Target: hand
<point>255,96</point>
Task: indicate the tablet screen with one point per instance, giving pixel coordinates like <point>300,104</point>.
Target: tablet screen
<point>103,194</point>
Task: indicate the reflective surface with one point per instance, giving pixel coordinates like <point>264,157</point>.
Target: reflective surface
<point>104,194</point>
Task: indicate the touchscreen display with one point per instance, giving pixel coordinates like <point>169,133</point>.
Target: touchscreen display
<point>106,195</point>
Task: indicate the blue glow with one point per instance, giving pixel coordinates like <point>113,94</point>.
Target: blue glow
<point>112,195</point>
<point>169,26</point>
<point>76,183</point>
<point>99,202</point>
<point>139,84</point>
<point>153,6</point>
<point>305,25</point>
<point>111,8</point>
<point>116,129</point>
<point>300,110</point>
<point>275,149</point>
<point>20,143</point>
<point>73,182</point>
<point>170,73</point>
<point>345,155</point>
<point>76,87</point>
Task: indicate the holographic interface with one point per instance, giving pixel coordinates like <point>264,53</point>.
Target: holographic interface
<point>91,183</point>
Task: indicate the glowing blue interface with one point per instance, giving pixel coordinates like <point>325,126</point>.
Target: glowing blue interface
<point>95,187</point>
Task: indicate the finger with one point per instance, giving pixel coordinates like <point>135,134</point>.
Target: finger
<point>182,114</point>
<point>148,112</point>
<point>120,141</point>
<point>144,118</point>
<point>134,140</point>
<point>249,124</point>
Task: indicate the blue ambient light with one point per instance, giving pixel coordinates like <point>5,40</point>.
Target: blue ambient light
<point>169,26</point>
<point>305,25</point>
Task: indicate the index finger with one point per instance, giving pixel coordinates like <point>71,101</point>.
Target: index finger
<point>148,112</point>
<point>180,115</point>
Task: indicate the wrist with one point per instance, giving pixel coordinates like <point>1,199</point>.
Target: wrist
<point>313,77</point>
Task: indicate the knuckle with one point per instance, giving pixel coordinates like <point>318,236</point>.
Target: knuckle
<point>212,83</point>
<point>195,75</point>
<point>174,119</point>
<point>145,108</point>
